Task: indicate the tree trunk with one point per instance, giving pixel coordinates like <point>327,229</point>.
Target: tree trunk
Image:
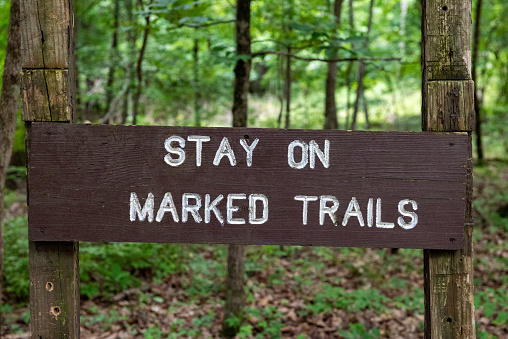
<point>280,90</point>
<point>131,40</point>
<point>366,111</point>
<point>114,60</point>
<point>197,96</point>
<point>477,104</point>
<point>242,67</point>
<point>331,121</point>
<point>351,63</point>
<point>9,104</point>
<point>235,281</point>
<point>348,93</point>
<point>287,88</point>
<point>139,69</point>
<point>351,17</point>
<point>361,70</point>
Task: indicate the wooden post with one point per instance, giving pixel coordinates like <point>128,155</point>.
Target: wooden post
<point>48,92</point>
<point>447,105</point>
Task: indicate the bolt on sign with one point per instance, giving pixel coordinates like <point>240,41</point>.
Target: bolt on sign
<point>247,186</point>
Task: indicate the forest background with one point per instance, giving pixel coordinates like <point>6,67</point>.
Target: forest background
<point>171,62</point>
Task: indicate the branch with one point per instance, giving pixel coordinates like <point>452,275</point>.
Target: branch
<point>210,24</point>
<point>286,45</point>
<point>201,25</point>
<point>262,53</point>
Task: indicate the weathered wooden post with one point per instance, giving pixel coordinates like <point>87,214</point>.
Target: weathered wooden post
<point>48,92</point>
<point>447,106</point>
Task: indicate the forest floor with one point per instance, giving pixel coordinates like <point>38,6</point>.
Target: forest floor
<point>292,292</point>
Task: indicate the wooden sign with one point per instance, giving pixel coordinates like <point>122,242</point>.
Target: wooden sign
<point>247,186</point>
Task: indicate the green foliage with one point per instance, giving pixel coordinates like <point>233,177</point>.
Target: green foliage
<point>413,301</point>
<point>16,284</point>
<point>19,137</point>
<point>358,331</point>
<point>494,303</point>
<point>110,268</point>
<point>4,25</point>
<point>269,322</point>
<point>332,297</point>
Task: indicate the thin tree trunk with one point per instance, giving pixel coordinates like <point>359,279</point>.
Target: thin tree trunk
<point>235,294</point>
<point>139,70</point>
<point>361,70</point>
<point>331,121</point>
<point>131,39</point>
<point>114,59</point>
<point>351,17</point>
<point>477,105</point>
<point>197,96</point>
<point>125,100</point>
<point>9,104</point>
<point>351,63</point>
<point>366,111</point>
<point>359,93</point>
<point>348,93</point>
<point>79,102</point>
<point>287,88</point>
<point>280,94</point>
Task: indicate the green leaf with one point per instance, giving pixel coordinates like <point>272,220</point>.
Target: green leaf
<point>502,318</point>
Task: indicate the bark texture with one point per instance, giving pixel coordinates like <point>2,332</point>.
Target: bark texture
<point>129,74</point>
<point>235,294</point>
<point>287,89</point>
<point>242,67</point>
<point>114,60</point>
<point>477,105</point>
<point>197,94</point>
<point>139,67</point>
<point>48,92</point>
<point>331,121</point>
<point>9,104</point>
<point>446,107</point>
<point>361,71</point>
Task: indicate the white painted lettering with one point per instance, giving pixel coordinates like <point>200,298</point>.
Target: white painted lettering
<point>174,150</point>
<point>323,156</point>
<point>199,139</point>
<point>249,149</point>
<point>291,154</point>
<point>305,199</point>
<point>193,209</point>
<point>323,209</point>
<point>232,208</point>
<point>135,208</point>
<point>414,217</point>
<point>209,207</point>
<point>224,150</point>
<point>370,214</point>
<point>379,223</point>
<point>252,208</point>
<point>353,210</point>
<point>167,205</point>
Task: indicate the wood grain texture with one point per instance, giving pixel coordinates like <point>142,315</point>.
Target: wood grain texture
<point>452,102</point>
<point>54,289</point>
<point>446,40</point>
<point>81,178</point>
<point>46,33</point>
<point>446,55</point>
<point>45,95</point>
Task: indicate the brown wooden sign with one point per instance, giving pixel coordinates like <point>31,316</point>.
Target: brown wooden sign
<point>247,186</point>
